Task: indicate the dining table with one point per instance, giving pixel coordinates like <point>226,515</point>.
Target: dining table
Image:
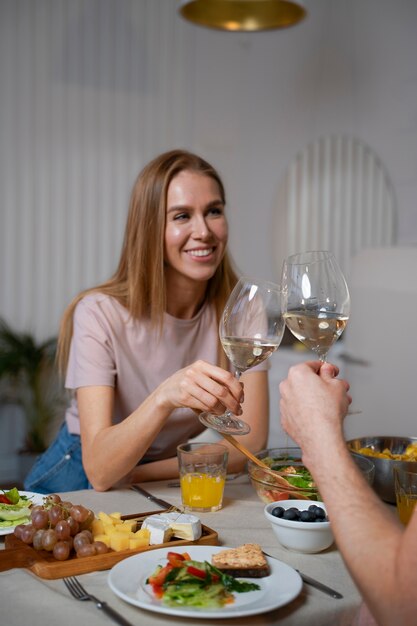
<point>27,599</point>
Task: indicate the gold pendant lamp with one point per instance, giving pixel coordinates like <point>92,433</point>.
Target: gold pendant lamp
<point>243,15</point>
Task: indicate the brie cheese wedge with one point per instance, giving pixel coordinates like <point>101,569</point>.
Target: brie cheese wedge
<point>184,525</point>
<point>159,529</point>
<point>180,525</point>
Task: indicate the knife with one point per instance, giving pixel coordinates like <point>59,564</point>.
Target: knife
<point>318,585</point>
<point>158,501</point>
<point>313,582</point>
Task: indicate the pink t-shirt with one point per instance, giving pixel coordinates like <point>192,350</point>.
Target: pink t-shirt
<point>109,347</point>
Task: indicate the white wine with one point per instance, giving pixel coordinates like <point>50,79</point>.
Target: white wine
<point>245,352</point>
<point>316,330</point>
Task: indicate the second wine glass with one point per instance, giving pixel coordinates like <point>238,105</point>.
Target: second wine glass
<point>316,302</point>
<point>251,329</point>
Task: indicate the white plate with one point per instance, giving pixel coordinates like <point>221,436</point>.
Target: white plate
<point>36,498</point>
<point>127,580</point>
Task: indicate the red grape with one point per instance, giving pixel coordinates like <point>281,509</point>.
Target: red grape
<point>88,549</point>
<point>61,550</point>
<point>40,518</point>
<point>80,540</point>
<point>74,526</point>
<point>62,529</point>
<point>49,540</point>
<point>55,515</point>
<point>100,547</point>
<point>37,539</point>
<point>27,532</point>
<point>79,512</point>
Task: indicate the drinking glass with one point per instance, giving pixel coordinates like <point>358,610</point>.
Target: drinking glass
<point>203,469</point>
<point>316,302</point>
<point>251,329</point>
<point>405,493</point>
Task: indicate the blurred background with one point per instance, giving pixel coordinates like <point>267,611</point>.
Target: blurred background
<point>313,129</point>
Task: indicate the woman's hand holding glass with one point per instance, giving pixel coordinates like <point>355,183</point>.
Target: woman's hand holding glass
<point>201,387</point>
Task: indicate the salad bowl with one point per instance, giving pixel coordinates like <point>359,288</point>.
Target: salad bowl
<point>286,479</point>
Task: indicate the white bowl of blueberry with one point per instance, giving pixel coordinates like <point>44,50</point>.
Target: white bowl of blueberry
<point>300,525</point>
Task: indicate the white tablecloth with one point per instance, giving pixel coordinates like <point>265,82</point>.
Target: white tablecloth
<point>28,600</point>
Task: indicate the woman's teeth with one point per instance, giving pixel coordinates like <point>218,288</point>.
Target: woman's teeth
<point>200,252</point>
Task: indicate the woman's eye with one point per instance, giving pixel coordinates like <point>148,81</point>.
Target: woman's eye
<point>181,216</point>
<point>216,210</point>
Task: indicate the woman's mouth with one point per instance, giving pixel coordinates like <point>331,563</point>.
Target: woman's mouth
<point>200,252</point>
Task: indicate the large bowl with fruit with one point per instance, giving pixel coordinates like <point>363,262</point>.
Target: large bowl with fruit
<point>287,478</point>
<point>386,453</point>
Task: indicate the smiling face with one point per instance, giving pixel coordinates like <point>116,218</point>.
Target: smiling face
<point>196,228</point>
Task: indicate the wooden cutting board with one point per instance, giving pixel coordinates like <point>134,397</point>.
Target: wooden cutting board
<point>43,564</point>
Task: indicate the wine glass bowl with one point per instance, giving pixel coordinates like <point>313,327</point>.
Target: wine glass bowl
<point>316,302</point>
<point>251,328</point>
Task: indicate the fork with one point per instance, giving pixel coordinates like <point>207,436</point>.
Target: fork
<point>79,593</point>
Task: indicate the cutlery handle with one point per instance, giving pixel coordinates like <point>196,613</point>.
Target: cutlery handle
<point>114,615</point>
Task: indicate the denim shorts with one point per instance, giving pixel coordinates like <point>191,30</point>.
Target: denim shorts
<point>60,467</point>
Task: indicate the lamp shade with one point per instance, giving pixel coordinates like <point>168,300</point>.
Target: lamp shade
<point>243,15</point>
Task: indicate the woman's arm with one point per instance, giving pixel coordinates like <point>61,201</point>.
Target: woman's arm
<point>110,452</point>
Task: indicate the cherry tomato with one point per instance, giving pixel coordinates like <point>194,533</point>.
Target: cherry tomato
<point>158,578</point>
<point>195,571</point>
<point>175,559</point>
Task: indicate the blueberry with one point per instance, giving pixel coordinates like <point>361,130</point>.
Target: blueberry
<point>277,511</point>
<point>291,514</point>
<point>321,513</point>
<point>307,516</point>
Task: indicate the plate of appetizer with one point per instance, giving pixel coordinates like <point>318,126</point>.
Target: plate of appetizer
<point>205,581</point>
<point>15,508</point>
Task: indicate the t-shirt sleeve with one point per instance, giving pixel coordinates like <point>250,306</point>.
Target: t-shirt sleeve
<point>91,359</point>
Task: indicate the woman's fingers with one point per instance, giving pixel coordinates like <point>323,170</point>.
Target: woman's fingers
<point>211,389</point>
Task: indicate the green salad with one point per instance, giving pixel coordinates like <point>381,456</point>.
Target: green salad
<point>14,508</point>
<point>296,474</point>
<point>184,582</point>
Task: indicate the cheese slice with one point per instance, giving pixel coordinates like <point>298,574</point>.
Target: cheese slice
<point>165,525</point>
<point>184,526</point>
<point>159,529</point>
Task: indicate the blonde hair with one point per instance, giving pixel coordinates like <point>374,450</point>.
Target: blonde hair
<point>139,281</point>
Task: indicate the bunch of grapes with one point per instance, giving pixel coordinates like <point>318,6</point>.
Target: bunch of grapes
<point>61,528</point>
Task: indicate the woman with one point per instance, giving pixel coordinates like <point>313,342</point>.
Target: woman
<point>141,351</point>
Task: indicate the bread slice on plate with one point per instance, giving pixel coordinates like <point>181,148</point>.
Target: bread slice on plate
<point>246,561</point>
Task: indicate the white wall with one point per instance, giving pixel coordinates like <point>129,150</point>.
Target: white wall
<point>90,90</point>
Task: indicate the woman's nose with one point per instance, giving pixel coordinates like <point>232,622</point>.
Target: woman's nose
<point>201,229</point>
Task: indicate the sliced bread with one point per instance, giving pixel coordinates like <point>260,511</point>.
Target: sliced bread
<point>247,561</point>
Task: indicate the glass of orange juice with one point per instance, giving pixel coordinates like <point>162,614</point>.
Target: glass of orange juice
<point>405,493</point>
<point>203,468</point>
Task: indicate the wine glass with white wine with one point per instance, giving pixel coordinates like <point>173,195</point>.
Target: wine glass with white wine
<point>316,302</point>
<point>251,329</point>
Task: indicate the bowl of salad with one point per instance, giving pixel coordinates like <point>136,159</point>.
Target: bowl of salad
<point>286,479</point>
